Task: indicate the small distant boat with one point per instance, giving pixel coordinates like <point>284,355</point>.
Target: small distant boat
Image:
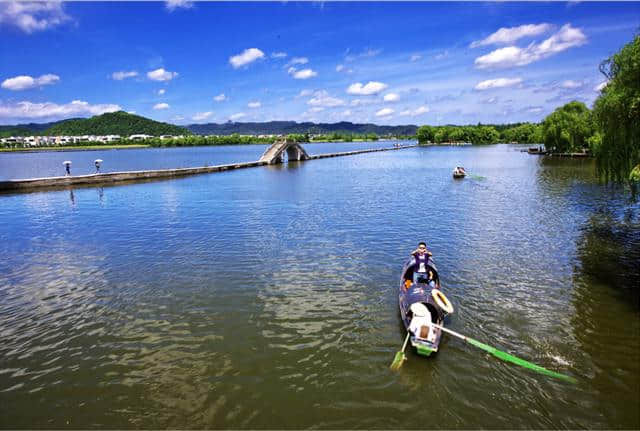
<point>536,150</point>
<point>459,172</point>
<point>422,303</point>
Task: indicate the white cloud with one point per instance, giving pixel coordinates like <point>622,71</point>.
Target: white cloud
<point>442,55</point>
<point>316,109</point>
<point>535,109</point>
<point>119,76</point>
<point>391,97</point>
<point>32,16</point>
<point>346,113</point>
<point>254,104</point>
<point>161,75</point>
<point>159,106</point>
<point>509,35</point>
<point>385,112</point>
<point>421,110</point>
<point>298,60</point>
<point>237,116</point>
<point>416,112</point>
<point>24,82</point>
<point>220,97</point>
<point>415,57</point>
<point>302,74</point>
<point>246,57</point>
<point>600,86</point>
<point>278,54</point>
<point>363,102</point>
<point>511,56</point>
<point>172,5</point>
<point>161,91</point>
<point>364,54</point>
<point>372,87</point>
<point>305,93</point>
<point>29,110</point>
<point>202,116</point>
<point>497,83</point>
<point>342,68</point>
<point>571,84</point>
<point>322,98</point>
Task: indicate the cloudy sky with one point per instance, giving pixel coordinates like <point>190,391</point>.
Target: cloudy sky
<point>385,63</point>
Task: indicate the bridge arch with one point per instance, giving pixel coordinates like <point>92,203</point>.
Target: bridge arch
<point>275,153</point>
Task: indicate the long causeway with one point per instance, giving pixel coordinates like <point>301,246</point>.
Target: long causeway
<point>112,178</point>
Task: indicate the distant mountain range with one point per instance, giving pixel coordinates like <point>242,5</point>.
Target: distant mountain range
<point>288,127</point>
<point>124,124</point>
<point>113,123</point>
<point>26,129</point>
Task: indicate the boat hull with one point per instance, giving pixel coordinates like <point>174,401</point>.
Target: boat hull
<point>420,293</point>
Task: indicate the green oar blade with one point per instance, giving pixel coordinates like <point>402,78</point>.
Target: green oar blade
<point>477,177</point>
<point>398,360</point>
<point>515,360</point>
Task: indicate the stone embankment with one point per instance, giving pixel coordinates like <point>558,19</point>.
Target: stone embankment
<point>110,178</point>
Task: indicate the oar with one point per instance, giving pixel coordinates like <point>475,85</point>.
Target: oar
<point>507,357</point>
<point>474,176</point>
<point>400,356</point>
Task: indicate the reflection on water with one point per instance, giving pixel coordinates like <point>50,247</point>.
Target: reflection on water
<point>265,298</point>
<point>609,252</point>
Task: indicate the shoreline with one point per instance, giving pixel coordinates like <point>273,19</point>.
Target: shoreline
<point>27,184</point>
<point>140,146</point>
<point>74,148</point>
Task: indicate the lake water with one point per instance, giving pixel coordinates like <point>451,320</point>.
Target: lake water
<point>266,297</point>
<point>21,165</point>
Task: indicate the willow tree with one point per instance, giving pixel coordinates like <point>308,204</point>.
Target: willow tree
<point>568,128</point>
<point>617,113</point>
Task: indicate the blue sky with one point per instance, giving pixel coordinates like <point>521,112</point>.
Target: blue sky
<point>385,63</point>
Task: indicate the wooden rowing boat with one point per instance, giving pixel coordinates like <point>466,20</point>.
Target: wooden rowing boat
<point>422,302</point>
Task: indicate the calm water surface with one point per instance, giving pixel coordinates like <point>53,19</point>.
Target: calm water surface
<point>266,297</point>
<point>20,165</point>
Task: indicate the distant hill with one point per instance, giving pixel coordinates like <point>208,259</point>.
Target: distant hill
<point>287,127</point>
<point>26,129</point>
<point>115,123</point>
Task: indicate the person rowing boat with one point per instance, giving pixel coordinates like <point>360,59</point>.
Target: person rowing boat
<point>459,172</point>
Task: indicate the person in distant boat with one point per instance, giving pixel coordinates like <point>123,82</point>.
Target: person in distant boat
<point>421,256</point>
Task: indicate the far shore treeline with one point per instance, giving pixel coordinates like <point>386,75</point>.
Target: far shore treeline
<point>610,131</point>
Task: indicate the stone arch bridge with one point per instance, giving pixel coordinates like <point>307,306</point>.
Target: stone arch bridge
<point>275,153</point>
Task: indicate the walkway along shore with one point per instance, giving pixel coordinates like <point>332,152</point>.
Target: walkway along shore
<point>112,178</point>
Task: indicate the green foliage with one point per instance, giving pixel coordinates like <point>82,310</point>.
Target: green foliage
<point>115,123</point>
<point>568,128</point>
<point>595,142</point>
<point>617,113</point>
<point>298,137</point>
<point>426,134</point>
<point>194,140</point>
<point>634,176</point>
<point>345,136</point>
<point>477,135</point>
<point>6,132</point>
<point>526,133</point>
